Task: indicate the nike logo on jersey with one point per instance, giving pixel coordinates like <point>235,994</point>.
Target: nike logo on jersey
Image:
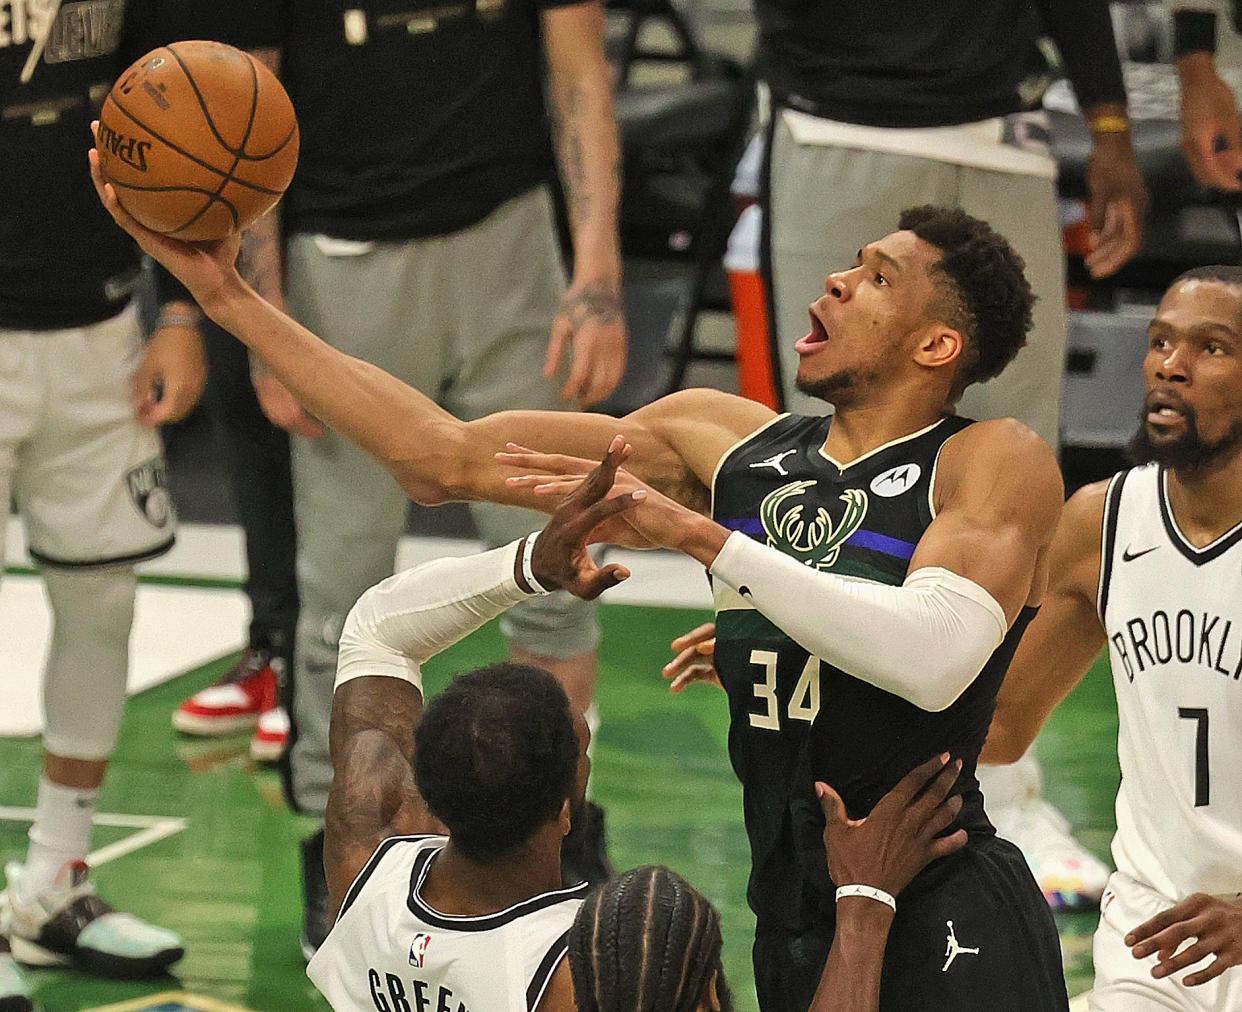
<point>1129,556</point>
<point>953,949</point>
<point>896,480</point>
<point>774,462</point>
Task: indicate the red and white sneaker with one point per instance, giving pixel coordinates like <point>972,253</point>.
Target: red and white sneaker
<point>270,736</point>
<point>248,689</point>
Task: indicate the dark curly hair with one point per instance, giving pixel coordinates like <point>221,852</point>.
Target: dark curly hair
<point>987,298</point>
<point>495,757</point>
<point>646,941</point>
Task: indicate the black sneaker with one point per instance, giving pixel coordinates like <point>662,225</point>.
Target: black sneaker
<point>316,922</point>
<point>584,852</point>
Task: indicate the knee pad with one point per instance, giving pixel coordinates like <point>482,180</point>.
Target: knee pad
<point>87,665</point>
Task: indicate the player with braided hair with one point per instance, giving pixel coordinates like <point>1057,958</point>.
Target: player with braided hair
<point>648,941</point>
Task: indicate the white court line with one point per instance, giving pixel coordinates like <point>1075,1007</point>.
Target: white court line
<point>217,551</point>
<point>1079,1003</point>
<point>151,829</point>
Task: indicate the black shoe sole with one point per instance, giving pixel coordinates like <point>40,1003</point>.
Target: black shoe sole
<point>106,964</point>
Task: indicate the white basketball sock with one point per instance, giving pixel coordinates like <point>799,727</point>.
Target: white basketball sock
<point>61,832</point>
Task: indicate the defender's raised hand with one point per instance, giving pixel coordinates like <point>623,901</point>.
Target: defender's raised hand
<point>560,558</point>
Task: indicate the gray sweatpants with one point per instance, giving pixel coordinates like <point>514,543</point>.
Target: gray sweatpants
<point>828,201</point>
<point>465,319</point>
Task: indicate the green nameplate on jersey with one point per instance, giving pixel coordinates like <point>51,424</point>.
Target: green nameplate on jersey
<point>171,1001</point>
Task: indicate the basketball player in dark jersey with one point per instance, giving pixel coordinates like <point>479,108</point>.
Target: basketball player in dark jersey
<point>924,312</point>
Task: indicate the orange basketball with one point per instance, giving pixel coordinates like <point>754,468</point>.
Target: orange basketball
<point>198,139</point>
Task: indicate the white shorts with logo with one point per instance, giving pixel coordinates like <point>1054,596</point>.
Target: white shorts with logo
<point>1125,984</point>
<point>89,481</point>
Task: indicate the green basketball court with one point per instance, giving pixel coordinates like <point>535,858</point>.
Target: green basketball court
<point>196,837</point>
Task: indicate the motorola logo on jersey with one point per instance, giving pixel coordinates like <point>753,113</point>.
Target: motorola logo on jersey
<point>130,150</point>
<point>418,948</point>
<point>813,542</point>
<point>896,480</point>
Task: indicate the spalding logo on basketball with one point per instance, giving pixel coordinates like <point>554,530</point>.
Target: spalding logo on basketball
<point>198,139</point>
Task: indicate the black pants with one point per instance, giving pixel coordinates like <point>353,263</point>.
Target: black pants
<point>983,897</point>
<point>257,453</point>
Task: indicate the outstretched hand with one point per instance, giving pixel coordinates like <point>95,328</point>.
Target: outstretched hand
<point>696,659</point>
<point>658,521</point>
<point>203,267</point>
<point>560,558</point>
<point>1213,922</point>
<point>900,836</point>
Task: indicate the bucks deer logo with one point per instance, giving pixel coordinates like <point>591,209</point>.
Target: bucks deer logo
<point>814,541</point>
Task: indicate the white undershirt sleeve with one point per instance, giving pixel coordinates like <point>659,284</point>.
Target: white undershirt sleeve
<point>400,623</point>
<point>924,641</point>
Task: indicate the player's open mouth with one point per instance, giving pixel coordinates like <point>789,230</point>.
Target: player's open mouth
<point>817,336</point>
<point>1164,408</point>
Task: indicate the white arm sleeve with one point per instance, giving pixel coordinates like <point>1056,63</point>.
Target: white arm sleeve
<point>924,641</point>
<point>400,623</point>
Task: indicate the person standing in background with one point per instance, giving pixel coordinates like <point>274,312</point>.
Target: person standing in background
<point>418,234</point>
<point>80,398</point>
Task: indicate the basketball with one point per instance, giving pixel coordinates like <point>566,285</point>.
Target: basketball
<point>198,139</point>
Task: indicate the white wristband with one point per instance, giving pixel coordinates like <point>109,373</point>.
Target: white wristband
<point>870,892</point>
<point>527,572</point>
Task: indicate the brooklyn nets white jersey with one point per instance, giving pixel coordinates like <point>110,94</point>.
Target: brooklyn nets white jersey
<point>389,950</point>
<point>1170,609</point>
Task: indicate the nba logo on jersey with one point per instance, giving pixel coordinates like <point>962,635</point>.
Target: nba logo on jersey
<point>418,948</point>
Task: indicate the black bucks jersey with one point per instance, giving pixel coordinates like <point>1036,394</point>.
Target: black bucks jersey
<point>795,718</point>
<point>1169,609</point>
<point>391,950</point>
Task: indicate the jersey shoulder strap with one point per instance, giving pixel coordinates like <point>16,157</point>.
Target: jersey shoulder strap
<point>390,846</point>
<point>543,974</point>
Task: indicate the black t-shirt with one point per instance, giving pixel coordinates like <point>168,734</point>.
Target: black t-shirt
<point>417,117</point>
<point>902,63</point>
<point>794,718</point>
<point>63,261</point>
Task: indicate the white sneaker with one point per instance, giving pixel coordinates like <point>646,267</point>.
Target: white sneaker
<point>14,992</point>
<point>66,924</point>
<point>1069,875</point>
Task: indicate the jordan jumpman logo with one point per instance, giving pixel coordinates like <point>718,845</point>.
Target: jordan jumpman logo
<point>952,950</point>
<point>775,462</point>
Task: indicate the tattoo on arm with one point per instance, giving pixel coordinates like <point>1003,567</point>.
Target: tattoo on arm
<point>597,301</point>
<point>259,258</point>
<point>373,793</point>
<point>567,122</point>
